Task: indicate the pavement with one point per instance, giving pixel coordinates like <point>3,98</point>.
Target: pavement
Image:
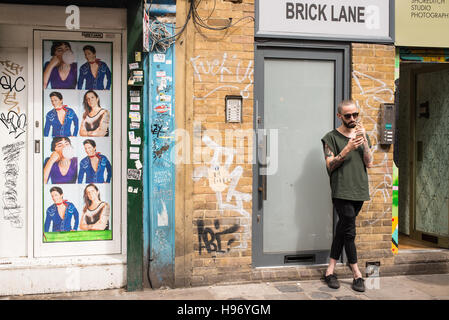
<point>409,287</point>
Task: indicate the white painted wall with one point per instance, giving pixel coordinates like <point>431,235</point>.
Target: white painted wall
<point>13,154</point>
<point>54,275</point>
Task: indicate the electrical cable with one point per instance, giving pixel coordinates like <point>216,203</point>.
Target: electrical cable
<point>159,39</point>
<point>160,36</point>
<point>162,39</point>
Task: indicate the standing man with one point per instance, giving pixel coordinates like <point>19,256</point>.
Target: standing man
<point>347,154</point>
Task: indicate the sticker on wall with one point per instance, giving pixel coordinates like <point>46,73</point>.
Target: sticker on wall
<point>165,98</point>
<point>162,217</point>
<point>134,174</point>
<point>77,144</point>
<point>134,116</point>
<point>134,156</point>
<point>133,66</point>
<point>159,58</point>
<point>162,108</point>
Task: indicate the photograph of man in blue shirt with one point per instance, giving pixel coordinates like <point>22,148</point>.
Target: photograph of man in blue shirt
<point>94,165</point>
<point>94,71</point>
<point>61,214</point>
<point>60,118</point>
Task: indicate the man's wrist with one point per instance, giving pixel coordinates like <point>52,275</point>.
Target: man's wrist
<point>343,153</point>
<point>340,156</point>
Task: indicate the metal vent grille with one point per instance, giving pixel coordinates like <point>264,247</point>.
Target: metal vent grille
<point>302,258</point>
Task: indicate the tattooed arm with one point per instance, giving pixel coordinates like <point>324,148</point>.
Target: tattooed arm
<point>367,156</point>
<point>332,161</point>
<point>335,161</point>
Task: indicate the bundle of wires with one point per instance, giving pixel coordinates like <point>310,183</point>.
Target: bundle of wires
<point>162,39</point>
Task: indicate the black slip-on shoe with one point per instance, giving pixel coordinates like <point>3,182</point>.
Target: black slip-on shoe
<point>332,281</point>
<point>358,285</point>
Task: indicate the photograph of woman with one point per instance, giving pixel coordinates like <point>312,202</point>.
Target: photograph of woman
<point>96,212</point>
<point>61,72</point>
<point>62,165</point>
<point>95,121</point>
<point>94,165</point>
<point>61,213</point>
<point>60,118</point>
<point>94,71</point>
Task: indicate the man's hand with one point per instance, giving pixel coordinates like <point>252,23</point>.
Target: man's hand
<point>354,143</point>
<point>360,131</point>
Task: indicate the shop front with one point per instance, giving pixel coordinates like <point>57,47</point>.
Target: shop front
<point>63,223</point>
<point>421,155</point>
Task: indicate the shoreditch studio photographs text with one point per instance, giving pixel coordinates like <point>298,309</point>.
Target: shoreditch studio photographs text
<point>428,9</point>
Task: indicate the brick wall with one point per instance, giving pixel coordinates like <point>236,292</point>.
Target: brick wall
<point>223,64</point>
<point>373,83</point>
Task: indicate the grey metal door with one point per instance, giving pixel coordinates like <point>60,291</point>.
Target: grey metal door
<point>297,91</point>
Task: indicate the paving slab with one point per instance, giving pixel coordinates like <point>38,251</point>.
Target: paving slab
<point>319,295</point>
<point>255,291</point>
<point>394,288</point>
<point>296,296</point>
<point>436,286</point>
<point>289,287</point>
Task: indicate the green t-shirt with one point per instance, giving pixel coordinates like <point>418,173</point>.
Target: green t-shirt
<point>350,180</point>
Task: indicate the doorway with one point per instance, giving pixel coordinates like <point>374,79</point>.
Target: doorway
<point>297,90</point>
<point>87,138</point>
<point>423,156</point>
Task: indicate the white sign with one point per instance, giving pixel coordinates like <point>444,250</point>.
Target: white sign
<point>331,19</point>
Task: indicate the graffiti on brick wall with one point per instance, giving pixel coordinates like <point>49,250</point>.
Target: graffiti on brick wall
<point>221,178</point>
<point>210,239</point>
<point>380,92</point>
<point>242,77</point>
<point>229,73</point>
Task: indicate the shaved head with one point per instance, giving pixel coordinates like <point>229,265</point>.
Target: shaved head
<point>345,103</point>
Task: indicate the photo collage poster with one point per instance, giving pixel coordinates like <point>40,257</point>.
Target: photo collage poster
<point>77,140</point>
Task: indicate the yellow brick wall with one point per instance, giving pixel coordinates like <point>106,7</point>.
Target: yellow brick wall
<point>372,84</point>
<point>223,64</point>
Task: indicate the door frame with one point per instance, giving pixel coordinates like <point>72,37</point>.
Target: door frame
<point>79,248</point>
<point>342,89</point>
<point>413,155</point>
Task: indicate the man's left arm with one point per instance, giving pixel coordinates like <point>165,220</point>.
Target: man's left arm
<point>367,155</point>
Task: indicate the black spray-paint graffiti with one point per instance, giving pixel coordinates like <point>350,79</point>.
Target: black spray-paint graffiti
<point>11,207</point>
<point>14,122</point>
<point>6,82</point>
<point>211,239</point>
<point>158,153</point>
<point>157,129</point>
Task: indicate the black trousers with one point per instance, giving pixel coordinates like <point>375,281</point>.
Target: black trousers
<point>347,211</point>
